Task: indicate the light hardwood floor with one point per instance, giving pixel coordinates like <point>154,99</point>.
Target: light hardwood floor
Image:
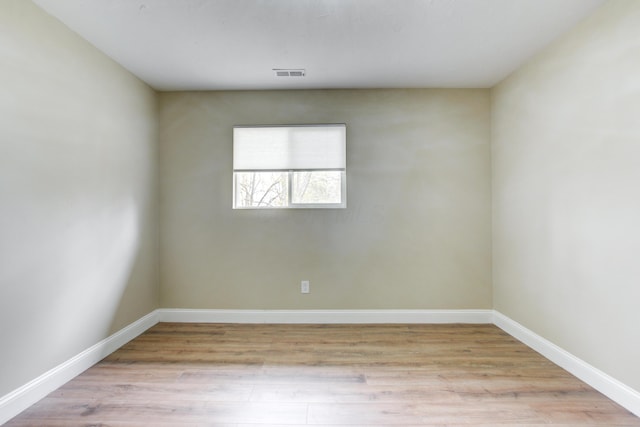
<point>368,375</point>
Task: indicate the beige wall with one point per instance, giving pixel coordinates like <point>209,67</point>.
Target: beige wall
<point>416,233</point>
<point>77,195</point>
<point>566,192</point>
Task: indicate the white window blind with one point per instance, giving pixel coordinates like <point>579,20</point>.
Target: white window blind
<point>313,147</point>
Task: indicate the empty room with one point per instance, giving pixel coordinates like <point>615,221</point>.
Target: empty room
<point>319,212</point>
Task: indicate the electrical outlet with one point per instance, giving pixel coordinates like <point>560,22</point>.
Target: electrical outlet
<point>304,287</point>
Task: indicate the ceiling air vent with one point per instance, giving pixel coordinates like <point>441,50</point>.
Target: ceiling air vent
<point>281,72</point>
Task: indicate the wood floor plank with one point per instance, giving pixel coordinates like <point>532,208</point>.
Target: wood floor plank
<point>349,393</point>
<point>421,413</point>
<point>237,375</point>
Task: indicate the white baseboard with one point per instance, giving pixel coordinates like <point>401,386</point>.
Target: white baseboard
<point>325,316</point>
<point>615,390</point>
<point>20,399</point>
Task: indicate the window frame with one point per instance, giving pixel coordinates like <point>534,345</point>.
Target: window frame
<point>289,177</point>
<point>290,204</point>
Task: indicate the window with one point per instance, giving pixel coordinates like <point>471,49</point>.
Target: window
<point>301,166</point>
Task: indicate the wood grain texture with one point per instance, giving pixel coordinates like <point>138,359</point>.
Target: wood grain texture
<point>325,375</point>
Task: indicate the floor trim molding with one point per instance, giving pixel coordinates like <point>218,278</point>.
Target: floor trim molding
<point>615,390</point>
<point>325,316</point>
<point>21,398</point>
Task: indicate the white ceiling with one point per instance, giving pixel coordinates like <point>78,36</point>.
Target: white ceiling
<point>236,44</point>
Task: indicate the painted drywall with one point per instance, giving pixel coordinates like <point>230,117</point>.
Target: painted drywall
<point>415,234</point>
<point>78,195</point>
<point>566,193</point>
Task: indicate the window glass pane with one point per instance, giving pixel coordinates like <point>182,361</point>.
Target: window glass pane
<point>316,187</point>
<point>261,189</point>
